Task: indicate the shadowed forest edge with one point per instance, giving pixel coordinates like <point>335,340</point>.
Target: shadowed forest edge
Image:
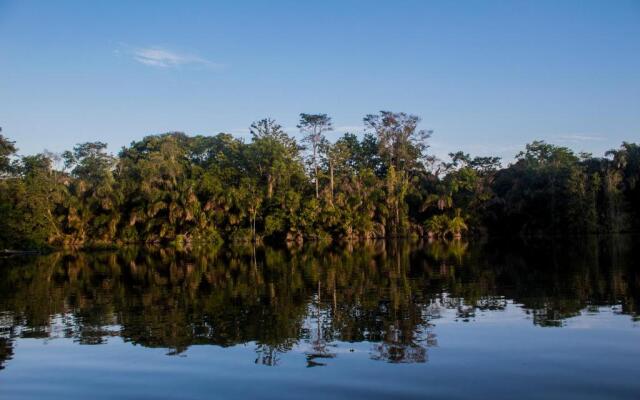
<point>174,188</point>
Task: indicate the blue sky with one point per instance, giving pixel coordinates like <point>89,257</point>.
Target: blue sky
<point>486,76</point>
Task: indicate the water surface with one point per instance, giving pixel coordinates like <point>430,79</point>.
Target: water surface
<point>379,320</point>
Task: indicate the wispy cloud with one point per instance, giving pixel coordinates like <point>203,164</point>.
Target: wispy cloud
<point>163,58</point>
<point>506,152</point>
<point>574,138</point>
<point>349,128</point>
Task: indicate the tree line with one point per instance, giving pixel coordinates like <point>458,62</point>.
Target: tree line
<point>380,184</point>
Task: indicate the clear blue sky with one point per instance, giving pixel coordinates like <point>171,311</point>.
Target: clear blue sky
<point>486,76</point>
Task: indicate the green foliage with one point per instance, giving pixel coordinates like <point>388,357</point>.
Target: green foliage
<point>442,226</point>
<point>174,188</point>
<point>550,190</point>
<point>7,150</point>
<point>313,126</point>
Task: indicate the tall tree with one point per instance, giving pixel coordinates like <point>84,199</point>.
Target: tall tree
<point>7,150</point>
<point>92,210</point>
<point>314,126</point>
<point>272,152</point>
<point>402,145</point>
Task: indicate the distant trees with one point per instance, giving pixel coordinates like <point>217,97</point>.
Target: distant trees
<point>383,183</point>
<point>623,179</point>
<point>551,190</point>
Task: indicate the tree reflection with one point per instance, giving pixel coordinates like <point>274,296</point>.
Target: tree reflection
<point>6,351</point>
<point>389,294</point>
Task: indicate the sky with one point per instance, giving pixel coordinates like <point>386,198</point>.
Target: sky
<point>486,76</point>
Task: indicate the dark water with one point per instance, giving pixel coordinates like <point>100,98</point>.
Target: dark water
<point>384,320</point>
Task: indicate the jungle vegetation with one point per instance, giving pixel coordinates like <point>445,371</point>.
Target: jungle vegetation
<point>379,184</point>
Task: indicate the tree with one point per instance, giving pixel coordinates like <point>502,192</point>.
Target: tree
<point>313,126</point>
<point>158,181</point>
<point>90,162</point>
<point>542,193</point>
<point>623,172</point>
<point>457,225</point>
<point>36,198</point>
<point>403,147</point>
<point>7,150</point>
<point>400,143</point>
<point>272,152</point>
<point>92,207</point>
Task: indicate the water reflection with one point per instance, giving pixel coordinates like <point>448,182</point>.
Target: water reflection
<point>388,294</point>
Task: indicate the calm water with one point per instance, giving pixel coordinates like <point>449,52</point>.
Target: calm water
<point>385,320</point>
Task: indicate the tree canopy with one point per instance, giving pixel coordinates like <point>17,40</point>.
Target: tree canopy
<point>379,183</point>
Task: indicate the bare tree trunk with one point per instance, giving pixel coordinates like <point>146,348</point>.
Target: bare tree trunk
<point>335,298</point>
<point>255,260</point>
<point>269,186</point>
<point>315,167</point>
<point>331,181</point>
<point>253,224</point>
<point>317,187</point>
<point>397,224</point>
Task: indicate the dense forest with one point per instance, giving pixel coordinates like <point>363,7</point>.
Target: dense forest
<point>383,183</point>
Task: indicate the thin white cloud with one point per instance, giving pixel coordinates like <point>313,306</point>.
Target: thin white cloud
<point>163,58</point>
<point>579,138</point>
<point>349,128</point>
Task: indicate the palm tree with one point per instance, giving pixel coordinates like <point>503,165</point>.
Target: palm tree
<point>457,225</point>
<point>437,226</point>
<point>443,198</point>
